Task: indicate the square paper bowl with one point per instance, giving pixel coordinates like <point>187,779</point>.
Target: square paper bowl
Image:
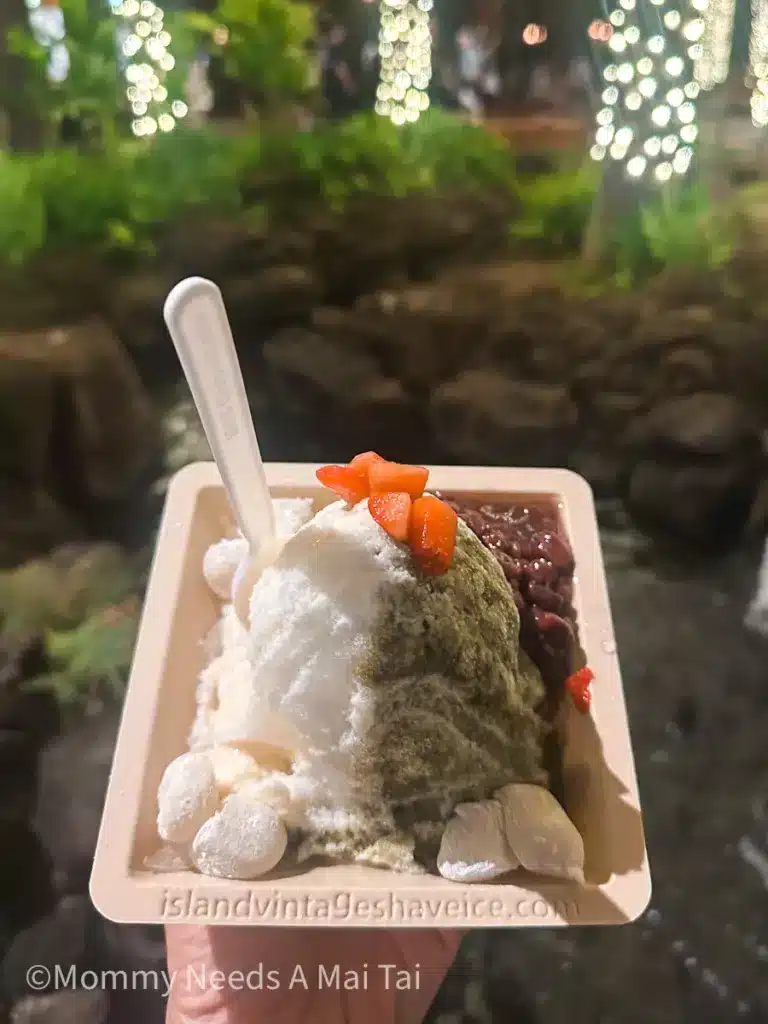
<point>600,784</point>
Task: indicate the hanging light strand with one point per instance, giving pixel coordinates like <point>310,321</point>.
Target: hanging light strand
<point>714,62</point>
<point>758,62</point>
<point>405,49</point>
<point>145,44</point>
<point>648,118</point>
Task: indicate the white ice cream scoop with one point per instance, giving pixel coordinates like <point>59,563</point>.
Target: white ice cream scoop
<point>197,322</point>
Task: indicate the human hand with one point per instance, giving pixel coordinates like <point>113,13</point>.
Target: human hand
<point>315,992</point>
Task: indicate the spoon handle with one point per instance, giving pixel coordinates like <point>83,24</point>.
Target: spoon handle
<point>197,322</point>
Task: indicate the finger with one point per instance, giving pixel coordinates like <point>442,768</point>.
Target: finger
<point>241,975</point>
<point>435,951</point>
<point>390,977</point>
<point>327,975</point>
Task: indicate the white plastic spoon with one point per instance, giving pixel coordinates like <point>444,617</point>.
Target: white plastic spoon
<point>197,322</point>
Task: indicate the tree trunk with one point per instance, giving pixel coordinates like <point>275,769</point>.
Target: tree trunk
<point>609,203</point>
<point>24,130</point>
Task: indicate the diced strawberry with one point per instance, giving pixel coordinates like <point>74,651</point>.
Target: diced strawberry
<point>349,482</point>
<point>366,459</point>
<point>392,476</point>
<point>578,687</point>
<point>432,535</point>
<point>392,511</point>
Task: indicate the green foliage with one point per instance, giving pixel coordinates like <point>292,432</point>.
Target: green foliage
<point>85,195</point>
<point>688,232</point>
<point>60,592</point>
<point>122,196</point>
<point>118,198</point>
<point>682,228</point>
<point>83,601</point>
<point>92,91</point>
<point>456,153</point>
<point>95,654</point>
<point>337,163</point>
<point>22,212</point>
<point>555,208</point>
<point>266,48</point>
<point>191,167</point>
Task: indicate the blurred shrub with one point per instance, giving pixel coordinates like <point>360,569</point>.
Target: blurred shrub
<point>61,591</point>
<point>265,45</point>
<point>22,211</point>
<point>339,162</point>
<point>680,228</point>
<point>92,92</point>
<point>86,196</point>
<point>555,209</point>
<point>92,657</point>
<point>119,198</point>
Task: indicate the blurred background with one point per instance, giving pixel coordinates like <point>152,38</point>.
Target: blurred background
<point>491,232</point>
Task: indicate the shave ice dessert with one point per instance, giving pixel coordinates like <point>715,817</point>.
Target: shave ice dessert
<point>385,689</point>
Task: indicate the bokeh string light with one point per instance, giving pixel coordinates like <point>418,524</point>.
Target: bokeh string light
<point>600,31</point>
<point>535,35</point>
<point>405,49</point>
<point>714,60</point>
<point>758,62</point>
<point>145,45</point>
<point>648,118</point>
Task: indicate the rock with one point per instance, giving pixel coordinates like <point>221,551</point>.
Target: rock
<point>757,613</point>
<point>22,660</point>
<point>611,411</point>
<point>26,890</point>
<point>27,403</point>
<point>664,352</point>
<point>18,776</point>
<point>94,440</point>
<point>688,370</point>
<point>704,424</point>
<point>674,287</point>
<point>33,713</point>
<point>136,948</point>
<point>758,517</point>
<point>689,326</point>
<point>704,503</point>
<point>273,296</point>
<point>697,467</point>
<point>33,522</point>
<point>136,311</point>
<point>337,392</point>
<point>211,247</point>
<point>467,230</point>
<point>360,251</point>
<point>487,418</point>
<point>55,286</point>
<point>600,465</point>
<point>63,1007</point>
<point>542,336</point>
<point>419,334</point>
<point>59,938</point>
<point>73,773</point>
<point>743,363</point>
